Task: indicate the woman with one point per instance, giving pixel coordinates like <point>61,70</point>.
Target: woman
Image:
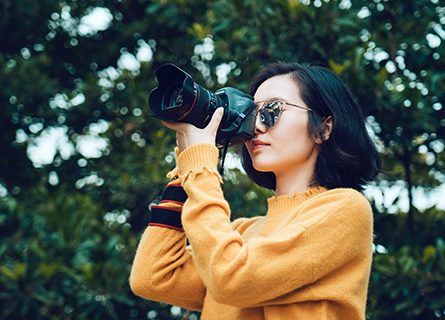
<point>310,257</point>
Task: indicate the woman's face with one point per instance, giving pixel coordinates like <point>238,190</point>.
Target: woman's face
<point>287,147</point>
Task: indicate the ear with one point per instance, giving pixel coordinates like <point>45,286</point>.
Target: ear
<point>326,128</point>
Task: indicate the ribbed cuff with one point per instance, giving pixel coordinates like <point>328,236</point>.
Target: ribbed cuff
<point>197,157</point>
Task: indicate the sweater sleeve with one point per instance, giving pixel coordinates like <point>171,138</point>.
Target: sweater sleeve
<point>164,268</point>
<point>330,234</point>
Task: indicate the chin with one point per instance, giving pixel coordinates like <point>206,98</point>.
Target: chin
<point>262,167</point>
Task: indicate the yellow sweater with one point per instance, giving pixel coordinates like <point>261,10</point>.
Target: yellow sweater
<point>309,258</point>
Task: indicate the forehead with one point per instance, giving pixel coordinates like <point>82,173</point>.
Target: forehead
<point>281,87</point>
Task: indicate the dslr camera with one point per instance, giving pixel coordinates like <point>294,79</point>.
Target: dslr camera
<point>179,98</point>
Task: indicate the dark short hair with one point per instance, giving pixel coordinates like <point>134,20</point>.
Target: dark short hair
<point>349,158</point>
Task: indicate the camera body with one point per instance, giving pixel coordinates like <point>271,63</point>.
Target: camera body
<point>179,98</point>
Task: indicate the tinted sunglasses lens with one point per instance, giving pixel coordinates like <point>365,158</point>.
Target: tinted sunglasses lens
<point>269,114</point>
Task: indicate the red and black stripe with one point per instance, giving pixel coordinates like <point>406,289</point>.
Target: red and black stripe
<point>169,217</point>
<point>174,193</point>
<point>166,217</point>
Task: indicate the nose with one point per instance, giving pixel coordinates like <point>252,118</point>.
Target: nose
<point>259,126</point>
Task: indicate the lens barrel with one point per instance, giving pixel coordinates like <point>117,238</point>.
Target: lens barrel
<point>179,98</point>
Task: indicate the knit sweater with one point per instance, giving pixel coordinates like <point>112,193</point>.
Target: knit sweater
<point>308,258</point>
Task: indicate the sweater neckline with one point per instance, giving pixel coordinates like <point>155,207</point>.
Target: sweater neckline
<point>283,204</point>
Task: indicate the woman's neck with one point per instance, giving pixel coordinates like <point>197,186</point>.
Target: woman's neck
<point>289,182</point>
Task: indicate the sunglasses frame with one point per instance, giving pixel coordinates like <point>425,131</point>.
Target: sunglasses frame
<point>280,103</point>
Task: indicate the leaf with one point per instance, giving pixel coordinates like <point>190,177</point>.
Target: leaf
<point>198,30</point>
<point>403,305</point>
<point>440,244</point>
<point>17,271</point>
<point>294,7</point>
<point>48,298</point>
<point>428,252</point>
<point>382,76</point>
<point>124,299</point>
<point>48,270</point>
<point>339,69</point>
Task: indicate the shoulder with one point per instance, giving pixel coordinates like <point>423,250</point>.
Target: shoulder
<point>348,195</point>
<point>340,197</point>
<point>339,206</point>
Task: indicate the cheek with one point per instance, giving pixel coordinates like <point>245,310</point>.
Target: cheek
<point>293,138</point>
<point>291,132</point>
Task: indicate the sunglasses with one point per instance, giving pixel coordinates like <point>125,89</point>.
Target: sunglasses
<point>270,111</point>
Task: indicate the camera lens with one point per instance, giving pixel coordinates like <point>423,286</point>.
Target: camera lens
<point>176,98</point>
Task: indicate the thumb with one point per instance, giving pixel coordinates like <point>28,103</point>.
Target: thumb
<point>216,120</point>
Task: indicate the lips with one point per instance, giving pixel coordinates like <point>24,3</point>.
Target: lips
<point>258,144</point>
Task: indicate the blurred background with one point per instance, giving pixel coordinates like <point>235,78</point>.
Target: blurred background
<point>80,161</point>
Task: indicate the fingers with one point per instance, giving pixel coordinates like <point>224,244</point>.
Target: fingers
<point>212,126</point>
<point>216,120</point>
<point>187,134</point>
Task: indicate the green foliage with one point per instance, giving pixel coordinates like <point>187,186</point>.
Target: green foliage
<point>69,226</point>
<point>62,259</point>
<point>405,283</point>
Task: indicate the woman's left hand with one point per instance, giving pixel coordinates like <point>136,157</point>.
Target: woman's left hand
<point>188,135</point>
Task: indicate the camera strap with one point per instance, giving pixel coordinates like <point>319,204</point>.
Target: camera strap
<point>226,146</point>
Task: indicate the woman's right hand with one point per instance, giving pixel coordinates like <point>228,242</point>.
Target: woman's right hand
<point>188,135</point>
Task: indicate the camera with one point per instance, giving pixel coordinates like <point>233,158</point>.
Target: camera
<point>179,98</point>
